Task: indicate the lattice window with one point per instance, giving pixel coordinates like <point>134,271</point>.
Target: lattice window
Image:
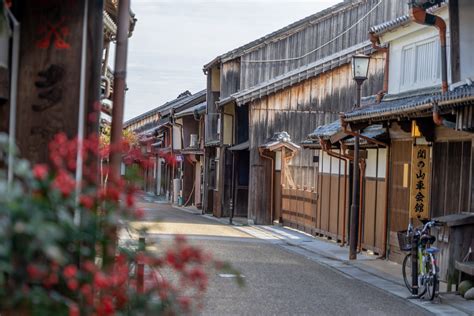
<point>420,65</point>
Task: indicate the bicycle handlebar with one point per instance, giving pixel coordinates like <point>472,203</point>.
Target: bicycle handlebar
<point>426,226</point>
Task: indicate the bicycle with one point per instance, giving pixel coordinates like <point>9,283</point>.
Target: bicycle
<point>428,282</point>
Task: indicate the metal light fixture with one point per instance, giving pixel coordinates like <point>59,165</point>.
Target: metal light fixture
<point>360,71</point>
<point>360,67</point>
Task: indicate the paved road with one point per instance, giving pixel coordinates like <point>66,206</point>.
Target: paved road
<point>278,280</point>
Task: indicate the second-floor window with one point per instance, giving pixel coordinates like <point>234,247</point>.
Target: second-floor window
<point>421,65</point>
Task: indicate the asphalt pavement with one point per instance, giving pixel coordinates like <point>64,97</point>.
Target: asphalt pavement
<point>279,280</point>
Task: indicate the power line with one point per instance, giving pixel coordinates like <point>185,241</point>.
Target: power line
<point>318,48</point>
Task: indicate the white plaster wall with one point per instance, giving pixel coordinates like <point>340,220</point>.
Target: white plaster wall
<point>408,35</point>
<point>371,163</point>
<point>466,38</point>
<point>330,165</point>
<point>177,144</point>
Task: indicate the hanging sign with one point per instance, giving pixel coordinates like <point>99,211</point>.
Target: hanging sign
<point>420,182</point>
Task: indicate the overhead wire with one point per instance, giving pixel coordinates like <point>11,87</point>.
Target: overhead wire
<point>317,48</point>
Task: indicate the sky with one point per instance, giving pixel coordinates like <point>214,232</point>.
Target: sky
<point>173,39</point>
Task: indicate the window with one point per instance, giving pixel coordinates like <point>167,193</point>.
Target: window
<point>420,65</point>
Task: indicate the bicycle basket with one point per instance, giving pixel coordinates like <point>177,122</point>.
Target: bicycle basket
<point>404,240</point>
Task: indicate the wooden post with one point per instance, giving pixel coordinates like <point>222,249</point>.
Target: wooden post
<point>141,267</point>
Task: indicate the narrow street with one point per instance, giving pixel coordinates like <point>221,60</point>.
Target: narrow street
<point>278,280</point>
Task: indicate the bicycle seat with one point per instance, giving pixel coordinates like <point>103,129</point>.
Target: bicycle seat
<point>424,239</point>
<point>432,250</point>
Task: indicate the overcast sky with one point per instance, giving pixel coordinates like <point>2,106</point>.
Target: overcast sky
<point>173,39</point>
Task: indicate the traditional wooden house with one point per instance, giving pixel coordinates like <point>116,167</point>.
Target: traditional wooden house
<point>162,138</point>
<point>289,81</point>
<point>191,121</point>
<point>428,109</point>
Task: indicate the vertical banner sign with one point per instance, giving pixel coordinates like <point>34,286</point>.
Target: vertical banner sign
<point>420,182</point>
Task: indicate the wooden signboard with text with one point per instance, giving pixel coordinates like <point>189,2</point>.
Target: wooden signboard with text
<point>420,182</point>
<point>49,74</point>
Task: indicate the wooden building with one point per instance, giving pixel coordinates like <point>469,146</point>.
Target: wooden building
<point>162,137</point>
<point>419,114</point>
<point>191,121</point>
<point>291,80</point>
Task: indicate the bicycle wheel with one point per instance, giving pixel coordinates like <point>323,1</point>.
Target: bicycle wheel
<point>406,271</point>
<point>431,282</point>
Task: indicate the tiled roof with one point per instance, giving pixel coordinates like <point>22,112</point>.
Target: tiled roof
<point>395,23</point>
<point>390,25</point>
<point>282,138</point>
<point>405,106</point>
<point>298,75</point>
<point>328,130</point>
<point>165,108</point>
<point>199,109</point>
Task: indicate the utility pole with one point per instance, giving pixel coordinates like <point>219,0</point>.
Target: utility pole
<point>120,75</point>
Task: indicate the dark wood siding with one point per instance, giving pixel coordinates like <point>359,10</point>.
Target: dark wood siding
<point>299,110</point>
<point>315,34</point>
<point>451,177</point>
<point>230,80</point>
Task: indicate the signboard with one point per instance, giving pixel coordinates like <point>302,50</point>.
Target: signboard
<point>50,71</point>
<point>420,182</point>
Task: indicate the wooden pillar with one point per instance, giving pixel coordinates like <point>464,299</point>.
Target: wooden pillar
<point>49,74</point>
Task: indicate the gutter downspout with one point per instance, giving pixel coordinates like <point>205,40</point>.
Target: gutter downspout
<point>376,45</point>
<point>420,16</point>
<point>260,151</point>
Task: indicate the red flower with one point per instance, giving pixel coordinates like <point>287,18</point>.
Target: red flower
<point>89,266</point>
<point>72,284</point>
<point>70,271</point>
<point>74,310</point>
<point>106,307</point>
<point>40,171</point>
<point>35,272</point>
<point>101,281</point>
<point>130,199</point>
<point>86,201</point>
<point>64,183</point>
<point>185,303</point>
<point>51,280</point>
<point>139,213</point>
<point>86,291</point>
